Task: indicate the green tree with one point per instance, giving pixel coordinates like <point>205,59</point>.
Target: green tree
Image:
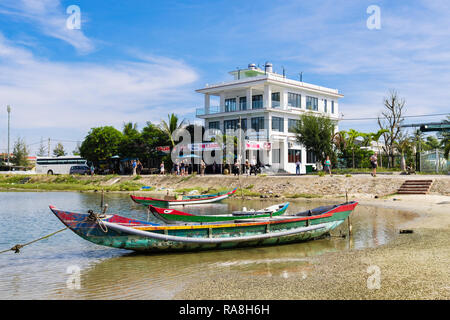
<point>432,143</point>
<point>42,150</point>
<point>445,142</point>
<point>101,143</point>
<point>59,150</point>
<point>169,127</point>
<point>20,153</point>
<point>316,133</point>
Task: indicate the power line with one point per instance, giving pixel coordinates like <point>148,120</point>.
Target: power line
<point>416,116</point>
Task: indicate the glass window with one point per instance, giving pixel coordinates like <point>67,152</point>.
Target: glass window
<point>230,124</point>
<point>292,125</point>
<point>294,100</point>
<point>312,103</point>
<point>325,105</point>
<point>257,101</point>
<point>310,157</point>
<point>230,105</point>
<point>294,155</point>
<point>233,124</point>
<point>332,106</point>
<point>214,125</point>
<point>258,123</point>
<point>275,155</point>
<point>243,103</point>
<point>278,124</point>
<point>275,99</point>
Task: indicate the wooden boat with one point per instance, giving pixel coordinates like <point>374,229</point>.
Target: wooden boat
<point>171,215</point>
<point>185,200</point>
<point>120,232</point>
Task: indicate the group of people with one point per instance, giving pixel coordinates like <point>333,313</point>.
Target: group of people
<point>137,166</point>
<point>183,168</point>
<point>249,167</point>
<point>327,165</point>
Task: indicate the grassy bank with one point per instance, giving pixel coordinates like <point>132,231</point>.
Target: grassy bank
<point>289,187</point>
<point>66,183</point>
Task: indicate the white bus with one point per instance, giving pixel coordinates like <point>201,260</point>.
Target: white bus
<point>58,165</point>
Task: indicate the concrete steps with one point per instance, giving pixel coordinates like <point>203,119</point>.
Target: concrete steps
<point>415,187</point>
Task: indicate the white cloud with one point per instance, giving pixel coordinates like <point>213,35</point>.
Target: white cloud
<point>75,95</point>
<point>410,53</point>
<point>50,18</point>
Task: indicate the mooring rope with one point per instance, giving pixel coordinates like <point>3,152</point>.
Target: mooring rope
<point>97,218</point>
<point>17,247</point>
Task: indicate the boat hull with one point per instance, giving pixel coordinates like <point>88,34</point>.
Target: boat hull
<point>187,200</point>
<point>149,237</point>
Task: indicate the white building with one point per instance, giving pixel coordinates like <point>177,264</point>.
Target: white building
<point>270,104</point>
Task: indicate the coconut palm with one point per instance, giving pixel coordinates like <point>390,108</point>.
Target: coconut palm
<point>402,146</point>
<point>170,126</point>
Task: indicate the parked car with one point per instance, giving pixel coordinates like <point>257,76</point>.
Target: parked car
<point>80,170</point>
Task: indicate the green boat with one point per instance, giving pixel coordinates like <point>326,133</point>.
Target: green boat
<point>171,215</point>
<point>125,233</point>
<point>184,200</point>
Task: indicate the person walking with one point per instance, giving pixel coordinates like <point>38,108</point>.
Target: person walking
<point>297,167</point>
<point>247,167</point>
<point>202,167</point>
<point>374,164</point>
<point>327,165</point>
<point>161,168</point>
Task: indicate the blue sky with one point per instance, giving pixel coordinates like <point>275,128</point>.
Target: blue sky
<point>139,60</point>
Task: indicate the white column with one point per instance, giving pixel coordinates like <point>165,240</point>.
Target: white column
<point>222,102</point>
<point>249,99</point>
<point>267,97</point>
<point>207,103</point>
<point>284,155</point>
<point>283,99</point>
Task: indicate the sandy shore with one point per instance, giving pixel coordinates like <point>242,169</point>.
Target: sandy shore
<point>413,266</point>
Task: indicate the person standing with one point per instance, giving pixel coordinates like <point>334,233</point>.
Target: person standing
<point>374,164</point>
<point>134,166</point>
<point>327,165</point>
<point>297,167</point>
<point>253,165</point>
<point>182,169</point>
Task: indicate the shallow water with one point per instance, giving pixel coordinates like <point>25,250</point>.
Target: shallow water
<point>47,269</point>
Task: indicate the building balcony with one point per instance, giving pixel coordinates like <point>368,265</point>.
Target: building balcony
<point>202,111</point>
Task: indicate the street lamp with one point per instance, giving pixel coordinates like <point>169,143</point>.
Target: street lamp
<point>8,108</point>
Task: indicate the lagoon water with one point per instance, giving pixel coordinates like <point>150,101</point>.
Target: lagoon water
<point>48,269</point>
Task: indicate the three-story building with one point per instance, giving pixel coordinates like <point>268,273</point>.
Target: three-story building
<point>270,105</point>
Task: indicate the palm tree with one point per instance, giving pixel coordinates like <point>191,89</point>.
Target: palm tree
<point>402,146</point>
<point>373,137</point>
<point>171,126</point>
<point>352,135</point>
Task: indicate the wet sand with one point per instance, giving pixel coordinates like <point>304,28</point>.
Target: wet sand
<point>412,266</point>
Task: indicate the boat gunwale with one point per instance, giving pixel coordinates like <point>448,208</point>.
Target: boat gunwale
<point>134,198</point>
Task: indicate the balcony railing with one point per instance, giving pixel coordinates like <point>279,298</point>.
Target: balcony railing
<point>202,111</point>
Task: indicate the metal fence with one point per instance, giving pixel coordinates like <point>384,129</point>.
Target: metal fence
<point>434,161</point>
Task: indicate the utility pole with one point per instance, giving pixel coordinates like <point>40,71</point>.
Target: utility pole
<point>48,149</point>
<point>8,108</point>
